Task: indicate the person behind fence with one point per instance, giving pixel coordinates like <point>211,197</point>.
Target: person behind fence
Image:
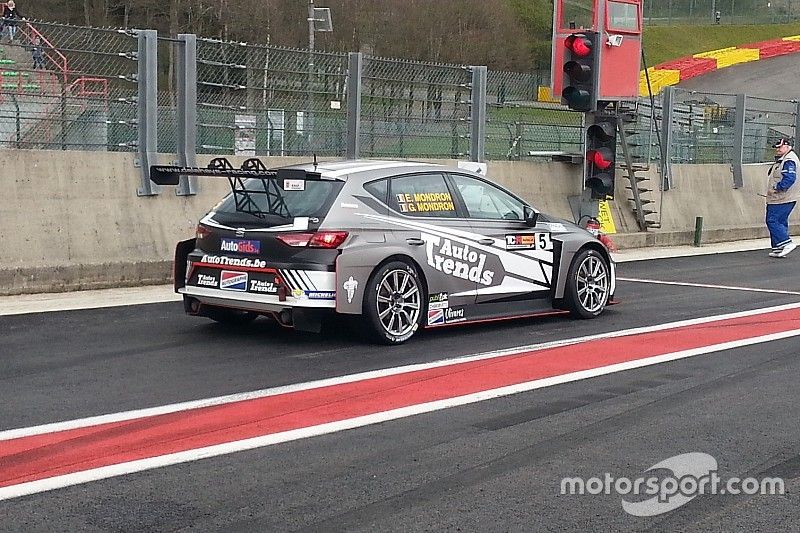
<point>782,195</point>
<point>38,53</point>
<point>10,16</point>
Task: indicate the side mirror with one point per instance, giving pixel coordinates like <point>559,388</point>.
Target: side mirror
<point>530,215</point>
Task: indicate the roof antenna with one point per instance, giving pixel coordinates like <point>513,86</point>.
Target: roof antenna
<point>315,162</point>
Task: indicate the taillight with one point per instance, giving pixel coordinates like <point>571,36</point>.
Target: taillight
<point>593,226</point>
<point>320,239</point>
<point>295,239</point>
<point>327,239</point>
<point>202,232</point>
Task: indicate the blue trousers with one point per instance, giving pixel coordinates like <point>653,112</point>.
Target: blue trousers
<point>778,223</point>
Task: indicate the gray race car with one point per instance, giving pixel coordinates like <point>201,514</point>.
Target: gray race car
<point>405,245</point>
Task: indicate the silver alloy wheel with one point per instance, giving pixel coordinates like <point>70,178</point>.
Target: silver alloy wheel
<point>398,302</point>
<point>592,283</point>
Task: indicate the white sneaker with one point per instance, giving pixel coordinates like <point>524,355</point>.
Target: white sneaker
<point>787,249</point>
<point>775,252</point>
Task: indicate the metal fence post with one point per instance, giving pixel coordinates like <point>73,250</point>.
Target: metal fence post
<point>738,142</point>
<point>666,138</point>
<point>477,134</point>
<point>186,112</point>
<point>355,66</point>
<point>797,123</point>
<point>147,117</point>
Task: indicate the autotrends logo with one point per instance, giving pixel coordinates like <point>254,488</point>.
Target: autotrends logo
<point>689,475</point>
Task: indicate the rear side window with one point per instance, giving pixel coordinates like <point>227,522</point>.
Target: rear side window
<point>422,195</point>
<point>284,200</point>
<point>379,189</point>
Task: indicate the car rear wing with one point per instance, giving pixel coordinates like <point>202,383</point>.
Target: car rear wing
<point>256,190</point>
<point>220,167</point>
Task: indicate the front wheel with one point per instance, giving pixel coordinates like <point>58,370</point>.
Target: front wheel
<point>393,303</point>
<point>588,284</point>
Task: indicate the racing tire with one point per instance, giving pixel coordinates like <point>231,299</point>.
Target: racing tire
<point>394,303</point>
<point>229,316</point>
<point>588,284</point>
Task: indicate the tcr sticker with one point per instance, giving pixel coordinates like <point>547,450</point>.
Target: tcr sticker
<point>529,241</point>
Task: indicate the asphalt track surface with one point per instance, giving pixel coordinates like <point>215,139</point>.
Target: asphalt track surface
<point>495,465</point>
<point>776,77</point>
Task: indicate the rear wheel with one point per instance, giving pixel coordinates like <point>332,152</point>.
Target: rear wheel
<point>229,316</point>
<point>588,284</point>
<point>393,303</point>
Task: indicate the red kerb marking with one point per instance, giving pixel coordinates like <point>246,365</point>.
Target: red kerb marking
<point>43,456</point>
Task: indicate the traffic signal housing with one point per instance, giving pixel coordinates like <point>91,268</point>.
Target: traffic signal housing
<point>601,151</point>
<point>581,62</point>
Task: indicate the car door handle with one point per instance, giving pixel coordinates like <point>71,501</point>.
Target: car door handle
<point>415,242</point>
<point>486,241</point>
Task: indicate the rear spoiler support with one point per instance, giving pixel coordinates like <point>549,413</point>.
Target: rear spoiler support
<point>248,183</point>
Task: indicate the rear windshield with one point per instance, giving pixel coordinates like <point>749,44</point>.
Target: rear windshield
<point>285,201</point>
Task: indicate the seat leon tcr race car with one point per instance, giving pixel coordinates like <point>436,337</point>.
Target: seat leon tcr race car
<point>404,245</point>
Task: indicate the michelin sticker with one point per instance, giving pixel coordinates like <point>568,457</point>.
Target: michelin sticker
<point>457,260</point>
<point>350,286</point>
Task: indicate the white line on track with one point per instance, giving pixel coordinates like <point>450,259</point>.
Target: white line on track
<point>708,286</point>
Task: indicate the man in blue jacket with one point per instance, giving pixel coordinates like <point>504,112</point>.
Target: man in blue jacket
<point>782,195</point>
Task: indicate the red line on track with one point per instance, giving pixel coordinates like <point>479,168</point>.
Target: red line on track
<point>47,455</point>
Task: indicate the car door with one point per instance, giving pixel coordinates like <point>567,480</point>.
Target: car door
<point>436,234</point>
<point>524,253</point>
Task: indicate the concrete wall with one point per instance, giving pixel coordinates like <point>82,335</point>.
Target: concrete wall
<point>72,220</point>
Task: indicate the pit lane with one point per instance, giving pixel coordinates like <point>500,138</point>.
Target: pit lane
<point>62,366</point>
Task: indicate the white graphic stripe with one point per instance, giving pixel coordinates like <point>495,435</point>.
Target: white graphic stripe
<point>377,166</point>
<point>307,279</point>
<point>512,263</point>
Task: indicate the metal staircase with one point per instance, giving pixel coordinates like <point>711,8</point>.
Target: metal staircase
<point>636,143</point>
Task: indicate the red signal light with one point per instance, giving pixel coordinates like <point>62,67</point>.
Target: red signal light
<point>602,158</point>
<point>579,44</point>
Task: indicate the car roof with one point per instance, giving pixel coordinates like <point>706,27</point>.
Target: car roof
<point>368,169</point>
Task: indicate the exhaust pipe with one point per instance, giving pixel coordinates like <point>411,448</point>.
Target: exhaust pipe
<point>192,306</point>
<point>284,318</point>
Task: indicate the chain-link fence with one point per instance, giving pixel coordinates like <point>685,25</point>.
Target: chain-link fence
<point>267,100</point>
<point>766,121</point>
<point>670,12</point>
<point>68,87</point>
<point>518,126</point>
<point>412,109</point>
<point>704,127</point>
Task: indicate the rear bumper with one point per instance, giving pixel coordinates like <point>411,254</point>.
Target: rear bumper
<point>253,302</point>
